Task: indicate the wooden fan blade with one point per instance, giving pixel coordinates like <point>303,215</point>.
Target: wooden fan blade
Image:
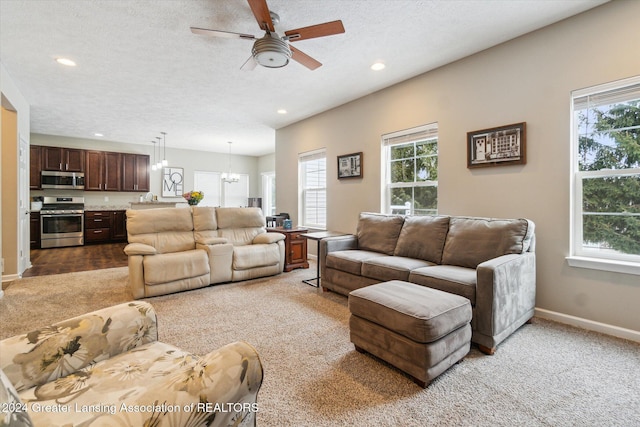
<point>218,33</point>
<point>261,12</point>
<point>320,30</point>
<point>304,59</point>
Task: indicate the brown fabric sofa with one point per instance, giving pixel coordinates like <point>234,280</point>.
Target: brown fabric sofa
<point>489,261</point>
<point>177,249</point>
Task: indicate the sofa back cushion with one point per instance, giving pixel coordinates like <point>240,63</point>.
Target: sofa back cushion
<point>240,225</point>
<point>471,241</point>
<point>378,232</point>
<point>166,229</point>
<point>205,224</point>
<point>423,237</point>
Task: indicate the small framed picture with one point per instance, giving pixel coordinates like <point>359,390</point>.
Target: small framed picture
<point>350,166</point>
<point>504,145</point>
<point>172,182</point>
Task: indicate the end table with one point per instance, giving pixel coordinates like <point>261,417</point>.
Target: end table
<point>318,236</point>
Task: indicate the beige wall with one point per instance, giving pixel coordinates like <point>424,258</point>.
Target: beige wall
<point>525,80</point>
<point>10,190</point>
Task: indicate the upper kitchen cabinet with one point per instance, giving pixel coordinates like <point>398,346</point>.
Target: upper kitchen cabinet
<point>34,167</point>
<point>62,159</point>
<point>135,172</point>
<point>103,171</point>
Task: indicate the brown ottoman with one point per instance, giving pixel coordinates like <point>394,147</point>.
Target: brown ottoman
<point>419,330</point>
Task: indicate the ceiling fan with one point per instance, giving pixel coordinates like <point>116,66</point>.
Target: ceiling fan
<point>273,51</point>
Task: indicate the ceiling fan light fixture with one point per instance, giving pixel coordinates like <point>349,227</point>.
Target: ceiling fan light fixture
<point>271,51</point>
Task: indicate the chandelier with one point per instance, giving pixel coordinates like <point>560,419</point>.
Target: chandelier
<point>229,177</point>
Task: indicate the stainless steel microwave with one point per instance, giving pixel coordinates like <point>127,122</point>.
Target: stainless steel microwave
<point>62,180</point>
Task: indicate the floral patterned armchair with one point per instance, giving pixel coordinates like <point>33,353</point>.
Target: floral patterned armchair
<point>108,368</point>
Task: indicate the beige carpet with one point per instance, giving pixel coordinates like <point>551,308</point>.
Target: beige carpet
<point>546,374</point>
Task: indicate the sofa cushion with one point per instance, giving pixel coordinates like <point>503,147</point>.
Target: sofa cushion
<point>166,229</point>
<point>164,268</point>
<point>471,241</point>
<point>252,256</point>
<point>205,223</point>
<point>423,237</point>
<point>390,267</point>
<point>240,217</point>
<point>349,261</point>
<point>448,278</point>
<point>378,232</point>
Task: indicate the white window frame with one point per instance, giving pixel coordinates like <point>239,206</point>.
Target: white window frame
<point>579,255</point>
<point>416,134</point>
<point>304,190</point>
<point>268,188</point>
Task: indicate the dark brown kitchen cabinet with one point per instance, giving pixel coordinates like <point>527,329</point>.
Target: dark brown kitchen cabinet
<point>105,226</point>
<point>102,171</point>
<point>118,226</point>
<point>34,230</point>
<point>135,172</point>
<point>34,167</point>
<point>62,159</point>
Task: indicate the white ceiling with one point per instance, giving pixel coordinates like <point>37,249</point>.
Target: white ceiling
<point>141,71</point>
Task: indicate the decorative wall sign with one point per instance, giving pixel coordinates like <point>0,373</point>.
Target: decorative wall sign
<point>172,182</point>
<point>504,145</point>
<point>350,166</point>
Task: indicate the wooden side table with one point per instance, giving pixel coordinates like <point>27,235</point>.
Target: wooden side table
<point>295,247</point>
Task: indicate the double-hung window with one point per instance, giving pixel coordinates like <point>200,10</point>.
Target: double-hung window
<point>410,171</point>
<point>605,226</point>
<point>313,188</point>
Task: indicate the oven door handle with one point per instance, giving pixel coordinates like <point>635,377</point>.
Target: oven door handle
<point>58,215</point>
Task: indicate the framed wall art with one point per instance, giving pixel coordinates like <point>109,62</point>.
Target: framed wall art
<point>350,166</point>
<point>172,182</point>
<point>504,145</point>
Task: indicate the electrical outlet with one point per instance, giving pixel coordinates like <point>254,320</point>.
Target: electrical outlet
<point>106,198</point>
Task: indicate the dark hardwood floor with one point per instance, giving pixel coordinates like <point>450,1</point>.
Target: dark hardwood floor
<point>77,258</point>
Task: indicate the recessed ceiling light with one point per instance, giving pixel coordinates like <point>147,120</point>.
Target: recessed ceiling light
<point>98,134</point>
<point>282,111</point>
<point>66,61</point>
<point>378,66</point>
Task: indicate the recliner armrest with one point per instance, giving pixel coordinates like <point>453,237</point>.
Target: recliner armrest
<point>267,238</point>
<point>139,249</point>
<point>212,241</point>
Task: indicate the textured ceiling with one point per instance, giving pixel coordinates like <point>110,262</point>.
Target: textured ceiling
<point>141,71</point>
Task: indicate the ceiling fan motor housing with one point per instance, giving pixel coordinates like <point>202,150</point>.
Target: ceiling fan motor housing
<point>271,51</point>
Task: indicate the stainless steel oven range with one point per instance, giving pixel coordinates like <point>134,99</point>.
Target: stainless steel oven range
<point>62,222</point>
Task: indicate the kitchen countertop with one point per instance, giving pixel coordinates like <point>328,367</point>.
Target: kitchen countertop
<point>106,207</point>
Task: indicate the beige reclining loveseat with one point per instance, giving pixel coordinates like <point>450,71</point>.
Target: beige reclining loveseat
<point>177,249</point>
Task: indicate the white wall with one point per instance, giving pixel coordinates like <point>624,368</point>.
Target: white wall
<point>528,79</point>
<point>189,160</point>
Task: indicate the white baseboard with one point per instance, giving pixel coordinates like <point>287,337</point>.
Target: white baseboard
<point>616,331</point>
<point>10,277</point>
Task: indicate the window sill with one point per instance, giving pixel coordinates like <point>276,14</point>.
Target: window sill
<point>624,267</point>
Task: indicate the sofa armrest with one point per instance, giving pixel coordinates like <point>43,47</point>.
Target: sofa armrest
<point>231,374</point>
<point>139,249</point>
<point>268,238</point>
<point>65,347</point>
<point>505,292</point>
<point>338,243</point>
<point>212,241</point>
